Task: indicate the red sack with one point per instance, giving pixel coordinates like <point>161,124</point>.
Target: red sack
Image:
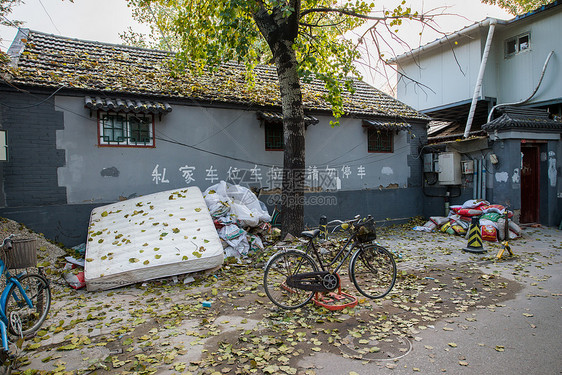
<point>489,233</point>
<point>469,212</point>
<point>75,281</point>
<point>455,209</point>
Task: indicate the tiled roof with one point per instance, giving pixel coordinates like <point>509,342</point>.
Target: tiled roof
<point>278,117</point>
<point>106,69</point>
<point>522,118</point>
<point>386,125</point>
<point>126,105</point>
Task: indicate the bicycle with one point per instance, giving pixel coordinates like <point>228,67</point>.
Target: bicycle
<point>25,300</point>
<point>292,276</point>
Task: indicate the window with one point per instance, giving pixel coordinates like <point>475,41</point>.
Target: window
<point>118,129</point>
<point>517,44</point>
<point>379,140</point>
<point>510,47</point>
<point>274,136</point>
<point>523,43</point>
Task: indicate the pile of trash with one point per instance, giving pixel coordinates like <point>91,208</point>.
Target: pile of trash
<point>240,220</point>
<point>240,217</point>
<point>493,219</point>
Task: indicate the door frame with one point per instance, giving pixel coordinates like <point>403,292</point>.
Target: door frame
<point>530,182</point>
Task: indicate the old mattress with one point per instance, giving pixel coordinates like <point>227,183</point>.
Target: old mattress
<point>154,236</point>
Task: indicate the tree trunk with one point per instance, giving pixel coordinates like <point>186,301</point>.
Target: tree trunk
<point>292,198</point>
<point>280,31</point>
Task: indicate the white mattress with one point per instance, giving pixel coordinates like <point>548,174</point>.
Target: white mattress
<point>157,235</point>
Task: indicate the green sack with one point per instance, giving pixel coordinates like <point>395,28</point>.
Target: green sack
<point>492,216</point>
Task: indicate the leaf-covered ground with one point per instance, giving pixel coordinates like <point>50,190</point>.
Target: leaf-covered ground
<point>166,326</point>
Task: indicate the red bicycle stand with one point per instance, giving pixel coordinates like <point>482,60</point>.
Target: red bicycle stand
<point>335,301</point>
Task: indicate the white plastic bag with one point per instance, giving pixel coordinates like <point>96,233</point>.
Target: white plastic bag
<point>474,203</point>
<point>439,220</point>
<point>514,228</point>
<point>490,223</point>
<point>501,228</point>
<point>221,197</point>
<point>245,216</point>
<point>217,199</point>
<point>255,243</point>
<point>230,232</point>
<point>421,228</point>
<point>244,196</point>
<point>239,247</point>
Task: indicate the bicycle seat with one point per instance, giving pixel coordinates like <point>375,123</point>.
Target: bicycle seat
<point>311,233</point>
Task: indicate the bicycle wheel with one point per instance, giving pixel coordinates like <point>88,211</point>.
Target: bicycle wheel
<point>21,317</point>
<point>281,266</point>
<point>373,271</point>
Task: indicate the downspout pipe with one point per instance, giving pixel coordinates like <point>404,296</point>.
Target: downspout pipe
<point>483,195</point>
<point>530,97</point>
<point>478,86</point>
<point>479,181</point>
<point>475,180</point>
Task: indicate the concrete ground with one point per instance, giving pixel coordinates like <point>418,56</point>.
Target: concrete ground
<point>450,312</point>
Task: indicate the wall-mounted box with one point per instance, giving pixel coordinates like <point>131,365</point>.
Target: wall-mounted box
<point>429,163</point>
<point>450,168</point>
<point>3,145</point>
<point>467,166</point>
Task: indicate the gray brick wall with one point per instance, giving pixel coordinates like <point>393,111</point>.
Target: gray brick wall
<point>30,174</point>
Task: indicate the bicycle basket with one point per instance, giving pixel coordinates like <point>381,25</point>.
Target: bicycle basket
<point>367,232</point>
<point>22,255</point>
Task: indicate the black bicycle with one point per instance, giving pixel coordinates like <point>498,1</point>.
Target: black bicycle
<point>292,276</point>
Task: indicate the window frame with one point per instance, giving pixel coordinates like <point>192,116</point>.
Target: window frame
<point>390,141</point>
<point>127,130</point>
<point>517,44</point>
<point>275,127</point>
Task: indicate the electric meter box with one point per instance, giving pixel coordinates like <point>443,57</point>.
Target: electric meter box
<point>429,163</point>
<point>467,166</point>
<point>450,168</point>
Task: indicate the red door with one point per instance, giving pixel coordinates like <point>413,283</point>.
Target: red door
<point>530,184</point>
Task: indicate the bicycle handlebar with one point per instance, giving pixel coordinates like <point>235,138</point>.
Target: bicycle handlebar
<point>348,224</point>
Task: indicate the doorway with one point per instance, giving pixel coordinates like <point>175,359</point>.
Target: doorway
<point>530,154</point>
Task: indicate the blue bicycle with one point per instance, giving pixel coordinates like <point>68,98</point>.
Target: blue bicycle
<point>25,300</point>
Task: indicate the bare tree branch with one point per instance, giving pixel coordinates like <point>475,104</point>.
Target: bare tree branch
<point>351,13</point>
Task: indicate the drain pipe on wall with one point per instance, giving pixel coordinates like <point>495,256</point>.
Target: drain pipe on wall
<point>478,86</point>
<point>479,180</point>
<point>475,180</point>
<point>483,195</point>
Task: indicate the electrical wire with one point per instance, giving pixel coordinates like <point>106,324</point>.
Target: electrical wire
<point>364,160</point>
<point>217,154</point>
<point>10,22</point>
<point>48,15</point>
<point>35,104</point>
<point>351,162</point>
